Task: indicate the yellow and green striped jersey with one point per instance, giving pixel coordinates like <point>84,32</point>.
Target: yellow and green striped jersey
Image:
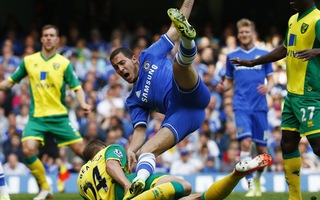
<point>303,33</point>
<point>93,180</point>
<point>48,79</point>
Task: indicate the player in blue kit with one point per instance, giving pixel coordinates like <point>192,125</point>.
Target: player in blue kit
<point>249,99</point>
<point>174,89</point>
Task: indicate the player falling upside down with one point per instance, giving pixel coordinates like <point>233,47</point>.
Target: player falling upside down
<point>105,176</point>
<point>174,89</point>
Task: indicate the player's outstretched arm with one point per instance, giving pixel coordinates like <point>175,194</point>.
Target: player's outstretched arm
<point>114,169</point>
<point>81,99</point>
<point>138,138</point>
<point>6,84</point>
<point>308,54</point>
<point>225,85</point>
<point>276,54</point>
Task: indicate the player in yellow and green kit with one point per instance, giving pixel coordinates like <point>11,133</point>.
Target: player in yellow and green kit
<point>48,73</point>
<point>105,176</point>
<point>301,112</point>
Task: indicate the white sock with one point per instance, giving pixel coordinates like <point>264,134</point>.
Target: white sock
<point>3,186</point>
<point>246,156</point>
<point>250,183</point>
<point>187,52</point>
<point>257,175</point>
<point>188,44</point>
<point>146,165</point>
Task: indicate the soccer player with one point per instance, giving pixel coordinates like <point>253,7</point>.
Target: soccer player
<point>105,176</point>
<point>48,73</point>
<point>173,89</point>
<point>4,195</point>
<point>301,111</point>
<point>249,99</point>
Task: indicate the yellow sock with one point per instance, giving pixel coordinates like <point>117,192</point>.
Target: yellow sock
<point>292,168</point>
<point>163,191</point>
<point>223,187</point>
<point>37,170</point>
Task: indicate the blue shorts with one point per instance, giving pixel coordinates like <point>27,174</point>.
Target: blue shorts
<point>186,112</point>
<point>252,124</point>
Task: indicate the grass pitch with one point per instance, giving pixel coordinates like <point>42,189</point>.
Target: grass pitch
<point>233,196</point>
<point>274,196</point>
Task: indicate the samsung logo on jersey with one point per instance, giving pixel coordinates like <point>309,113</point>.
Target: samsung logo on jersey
<point>257,67</point>
<point>148,83</point>
<point>44,85</point>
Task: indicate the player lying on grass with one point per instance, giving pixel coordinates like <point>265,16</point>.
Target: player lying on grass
<point>105,176</point>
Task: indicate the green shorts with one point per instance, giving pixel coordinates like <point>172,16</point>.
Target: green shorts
<point>301,114</point>
<point>119,191</point>
<point>60,127</point>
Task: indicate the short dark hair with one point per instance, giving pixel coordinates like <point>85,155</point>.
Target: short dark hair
<point>124,50</point>
<point>92,148</point>
<point>48,26</point>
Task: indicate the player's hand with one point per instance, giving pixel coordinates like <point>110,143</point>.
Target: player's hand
<point>239,62</point>
<point>307,54</point>
<point>263,89</point>
<point>86,108</point>
<point>126,188</point>
<point>220,87</point>
<point>132,160</point>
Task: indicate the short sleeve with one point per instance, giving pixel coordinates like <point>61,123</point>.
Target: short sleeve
<point>71,78</point>
<point>116,152</point>
<point>19,74</point>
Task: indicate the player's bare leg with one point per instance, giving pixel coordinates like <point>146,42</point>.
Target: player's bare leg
<point>159,143</point>
<point>223,187</point>
<point>184,73</point>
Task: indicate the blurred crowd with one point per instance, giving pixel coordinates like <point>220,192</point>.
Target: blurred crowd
<point>212,148</point>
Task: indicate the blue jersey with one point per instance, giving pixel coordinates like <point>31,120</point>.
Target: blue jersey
<point>246,79</point>
<point>154,84</point>
<point>156,90</point>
